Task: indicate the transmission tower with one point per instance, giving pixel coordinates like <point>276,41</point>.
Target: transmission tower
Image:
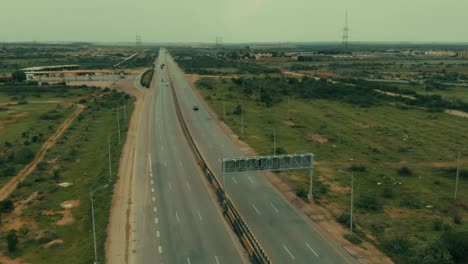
<point>138,41</point>
<point>345,32</point>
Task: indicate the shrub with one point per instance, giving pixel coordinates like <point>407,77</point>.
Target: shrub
<point>404,171</point>
<point>387,192</point>
<point>6,206</point>
<point>437,225</point>
<point>12,241</point>
<point>457,245</point>
<point>434,253</point>
<point>344,219</point>
<point>410,202</point>
<point>353,239</point>
<point>398,245</point>
<point>358,168</point>
<point>24,155</point>
<point>369,201</point>
<point>457,219</point>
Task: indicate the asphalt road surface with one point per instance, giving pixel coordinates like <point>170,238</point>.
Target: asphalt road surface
<point>176,216</point>
<point>284,233</point>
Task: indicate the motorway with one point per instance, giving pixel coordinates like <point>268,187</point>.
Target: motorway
<point>283,232</point>
<point>177,219</point>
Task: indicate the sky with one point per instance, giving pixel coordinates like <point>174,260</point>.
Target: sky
<point>234,20</point>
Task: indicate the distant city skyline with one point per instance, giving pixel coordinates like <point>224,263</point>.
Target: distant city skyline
<point>242,21</point>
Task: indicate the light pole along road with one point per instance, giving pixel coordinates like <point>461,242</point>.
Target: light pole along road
<point>177,217</point>
<point>285,234</point>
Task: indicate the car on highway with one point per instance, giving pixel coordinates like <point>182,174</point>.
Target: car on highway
<point>195,108</point>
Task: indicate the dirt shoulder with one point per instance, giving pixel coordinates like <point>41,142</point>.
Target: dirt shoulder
<point>119,233</point>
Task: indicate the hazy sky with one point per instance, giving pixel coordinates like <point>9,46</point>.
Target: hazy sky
<point>234,20</point>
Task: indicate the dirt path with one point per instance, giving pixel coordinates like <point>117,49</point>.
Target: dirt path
<point>119,233</point>
<point>10,186</point>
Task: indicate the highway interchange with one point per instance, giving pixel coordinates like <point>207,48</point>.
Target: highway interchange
<point>176,214</point>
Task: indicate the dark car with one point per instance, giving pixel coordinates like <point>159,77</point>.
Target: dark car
<point>195,108</point>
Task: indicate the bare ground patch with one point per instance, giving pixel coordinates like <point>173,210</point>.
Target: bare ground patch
<point>318,138</point>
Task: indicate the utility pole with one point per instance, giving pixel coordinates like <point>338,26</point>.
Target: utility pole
<point>94,223</point>
<point>125,108</point>
<point>118,123</point>
<point>289,107</point>
<point>352,203</point>
<point>274,142</point>
<point>242,121</point>
<point>224,111</point>
<point>311,173</point>
<point>457,176</point>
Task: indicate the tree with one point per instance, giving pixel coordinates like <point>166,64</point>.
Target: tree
<point>19,76</point>
<point>6,206</point>
<point>434,253</point>
<point>457,245</point>
<point>12,241</point>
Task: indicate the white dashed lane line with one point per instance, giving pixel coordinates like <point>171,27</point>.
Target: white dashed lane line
<point>274,208</point>
<point>311,249</point>
<point>255,208</point>
<point>289,252</point>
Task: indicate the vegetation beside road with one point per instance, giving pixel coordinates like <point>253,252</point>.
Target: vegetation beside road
<point>146,78</point>
<point>52,222</point>
<point>403,157</point>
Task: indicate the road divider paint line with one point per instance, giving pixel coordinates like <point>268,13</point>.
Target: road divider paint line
<point>177,217</point>
<point>217,260</point>
<point>156,221</point>
<point>152,190</point>
<point>157,234</point>
<point>188,260</point>
<point>255,208</point>
<point>234,180</point>
<point>152,182</point>
<point>311,249</point>
<point>289,252</point>
<point>170,186</point>
<point>188,186</point>
<point>155,209</point>
<point>274,208</point>
<point>199,215</point>
<point>154,199</point>
<point>251,180</point>
<point>160,250</point>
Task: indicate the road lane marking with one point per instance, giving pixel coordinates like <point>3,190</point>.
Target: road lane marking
<point>170,186</point>
<point>154,199</point>
<point>157,234</point>
<point>234,180</point>
<point>311,249</point>
<point>155,209</point>
<point>150,166</point>
<point>165,163</point>
<point>152,190</point>
<point>217,261</point>
<point>274,207</point>
<point>252,181</point>
<point>289,252</point>
<point>152,182</point>
<point>188,260</point>
<point>188,185</point>
<point>199,215</point>
<point>258,212</point>
<point>156,221</point>
<point>180,163</point>
<point>177,217</point>
<point>160,249</point>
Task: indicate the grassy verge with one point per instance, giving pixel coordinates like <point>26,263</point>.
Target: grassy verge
<point>53,223</point>
<point>403,160</point>
<point>146,78</point>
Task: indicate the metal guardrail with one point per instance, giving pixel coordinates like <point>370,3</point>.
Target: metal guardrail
<point>248,240</point>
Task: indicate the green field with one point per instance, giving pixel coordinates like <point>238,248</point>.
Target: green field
<point>378,141</point>
<point>80,158</point>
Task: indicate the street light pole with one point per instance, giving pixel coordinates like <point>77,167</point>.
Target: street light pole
<point>457,176</point>
<point>125,108</point>
<point>118,123</point>
<point>311,173</point>
<point>352,203</point>
<point>242,121</point>
<point>94,223</point>
<point>274,142</point>
<point>108,147</point>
